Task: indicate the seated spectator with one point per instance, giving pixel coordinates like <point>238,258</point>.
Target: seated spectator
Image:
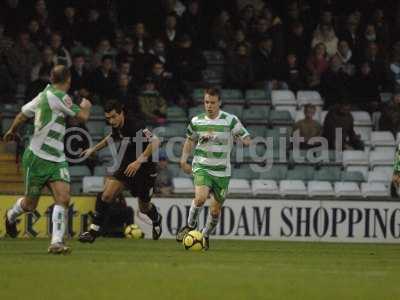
<point>262,27</point>
<point>47,62</point>
<point>364,89</point>
<point>152,105</point>
<point>38,85</point>
<point>103,48</point>
<point>69,26</point>
<point>192,20</point>
<point>247,15</point>
<point>239,69</point>
<point>394,72</point>
<point>239,38</point>
<point>126,93</point>
<point>103,81</point>
<point>325,34</point>
<point>307,128</point>
<point>79,75</point>
<point>8,85</point>
<point>345,56</point>
<point>339,120</point>
<point>297,42</point>
<point>165,83</point>
<point>317,64</point>
<point>158,52</point>
<point>351,35</point>
<point>37,35</point>
<point>170,33</point>
<point>163,184</point>
<point>293,74</point>
<point>222,30</point>
<point>390,118</point>
<point>118,217</point>
<point>62,56</point>
<point>376,61</point>
<point>141,38</point>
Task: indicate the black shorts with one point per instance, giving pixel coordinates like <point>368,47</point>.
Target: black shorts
<point>140,185</point>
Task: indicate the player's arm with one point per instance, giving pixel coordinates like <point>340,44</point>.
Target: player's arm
<point>186,152</point>
<point>84,113</point>
<point>154,144</point>
<point>27,112</point>
<point>100,145</point>
<point>240,132</point>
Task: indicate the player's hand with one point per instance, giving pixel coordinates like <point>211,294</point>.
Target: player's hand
<point>132,168</point>
<point>88,152</point>
<point>9,136</point>
<point>186,167</point>
<point>85,103</point>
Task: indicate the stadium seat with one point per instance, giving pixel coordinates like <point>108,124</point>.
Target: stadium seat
<point>257,130</point>
<point>364,132</point>
<point>355,157</point>
<point>107,130</point>
<point>256,114</point>
<point>100,171</point>
<point>175,113</point>
<point>171,130</point>
<point>299,115</point>
<point>361,118</point>
<point>320,188</point>
<point>323,116</point>
<point>292,187</point>
<point>244,172</point>
<point>105,155</point>
<point>386,97</point>
<point>194,111</point>
<point>213,57</point>
<point>93,184</point>
<point>309,97</point>
<point>276,172</point>
<point>77,172</point>
<point>382,157</point>
<point>304,173</point>
<point>354,176</point>
<point>97,111</point>
<point>387,170</point>
<point>290,109</point>
<point>362,169</point>
<point>264,187</point>
<point>237,110</point>
<point>182,174</point>
<point>379,176</point>
<point>96,128</point>
<point>239,186</point>
<point>278,117</point>
<point>374,189</point>
<point>382,138</point>
<point>182,185</point>
<point>256,96</point>
<point>174,169</point>
<point>283,97</point>
<point>347,189</point>
<point>231,96</point>
<point>330,174</point>
<point>198,94</point>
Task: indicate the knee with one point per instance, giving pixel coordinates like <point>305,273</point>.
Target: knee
<point>215,212</point>
<point>107,197</point>
<point>28,206</point>
<point>144,206</point>
<point>199,200</point>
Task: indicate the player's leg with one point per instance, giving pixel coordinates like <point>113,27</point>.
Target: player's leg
<point>219,189</point>
<point>112,188</point>
<point>24,204</point>
<point>61,194</point>
<point>212,221</point>
<point>201,194</point>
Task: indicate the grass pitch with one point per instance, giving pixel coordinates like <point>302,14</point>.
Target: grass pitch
<point>127,269</point>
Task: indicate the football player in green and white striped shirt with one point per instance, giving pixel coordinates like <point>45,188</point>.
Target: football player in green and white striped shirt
<point>44,161</point>
<point>211,134</point>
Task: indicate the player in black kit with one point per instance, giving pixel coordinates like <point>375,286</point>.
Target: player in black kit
<point>137,171</point>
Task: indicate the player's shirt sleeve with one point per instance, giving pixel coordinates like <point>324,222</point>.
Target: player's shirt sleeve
<point>396,167</point>
<point>238,130</point>
<point>191,132</point>
<point>64,105</point>
<point>29,108</point>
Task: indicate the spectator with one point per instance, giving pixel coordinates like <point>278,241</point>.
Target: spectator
<point>351,35</point>
<point>380,27</point>
<point>152,105</point>
<point>41,14</point>
<point>37,35</point>
<point>5,42</point>
<point>175,6</point>
<point>365,88</point>
<point>186,61</point>
<point>103,48</point>
<point>261,29</point>
<point>38,85</point>
<point>171,32</point>
<point>376,62</point>
<point>193,23</point>
<point>264,60</point>
<point>317,64</point>
<point>158,52</point>
<point>390,118</point>
<point>293,74</point>
<point>222,30</point>
<point>70,26</point>
<point>165,84</point>
<point>307,128</point>
<point>62,56</point>
<point>297,42</point>
<point>23,57</point>
<point>326,35</point>
<point>247,15</point>
<point>103,81</point>
<point>345,56</point>
<point>239,70</point>
<point>8,85</point>
<point>79,75</point>
<point>126,93</point>
<point>239,38</point>
<point>163,184</point>
<point>141,38</point>
<point>47,62</point>
<point>340,121</point>
<point>394,72</point>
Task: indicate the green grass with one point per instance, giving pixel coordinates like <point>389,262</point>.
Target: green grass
<point>126,269</point>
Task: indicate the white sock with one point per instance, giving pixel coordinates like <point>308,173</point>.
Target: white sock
<point>193,215</point>
<point>58,219</point>
<point>15,211</point>
<point>212,222</point>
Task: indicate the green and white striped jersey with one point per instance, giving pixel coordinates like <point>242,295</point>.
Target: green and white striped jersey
<point>214,139</point>
<point>50,108</point>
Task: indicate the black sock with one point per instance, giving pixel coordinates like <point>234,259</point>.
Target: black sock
<point>100,213</point>
<point>153,214</point>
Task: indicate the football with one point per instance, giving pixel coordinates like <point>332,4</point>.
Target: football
<point>193,240</point>
<point>133,231</point>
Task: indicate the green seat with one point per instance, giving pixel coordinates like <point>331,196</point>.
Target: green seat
<point>331,174</point>
<point>198,94</point>
<point>234,109</point>
<point>276,172</point>
<point>194,111</point>
<point>353,176</point>
<point>305,173</point>
<point>97,110</point>
<point>276,134</point>
<point>231,94</point>
<point>280,117</point>
<point>243,172</point>
<point>257,130</point>
<point>176,113</point>
<point>255,95</point>
<point>174,169</point>
<point>256,114</point>
<point>96,128</point>
<point>172,130</point>
<point>77,172</point>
